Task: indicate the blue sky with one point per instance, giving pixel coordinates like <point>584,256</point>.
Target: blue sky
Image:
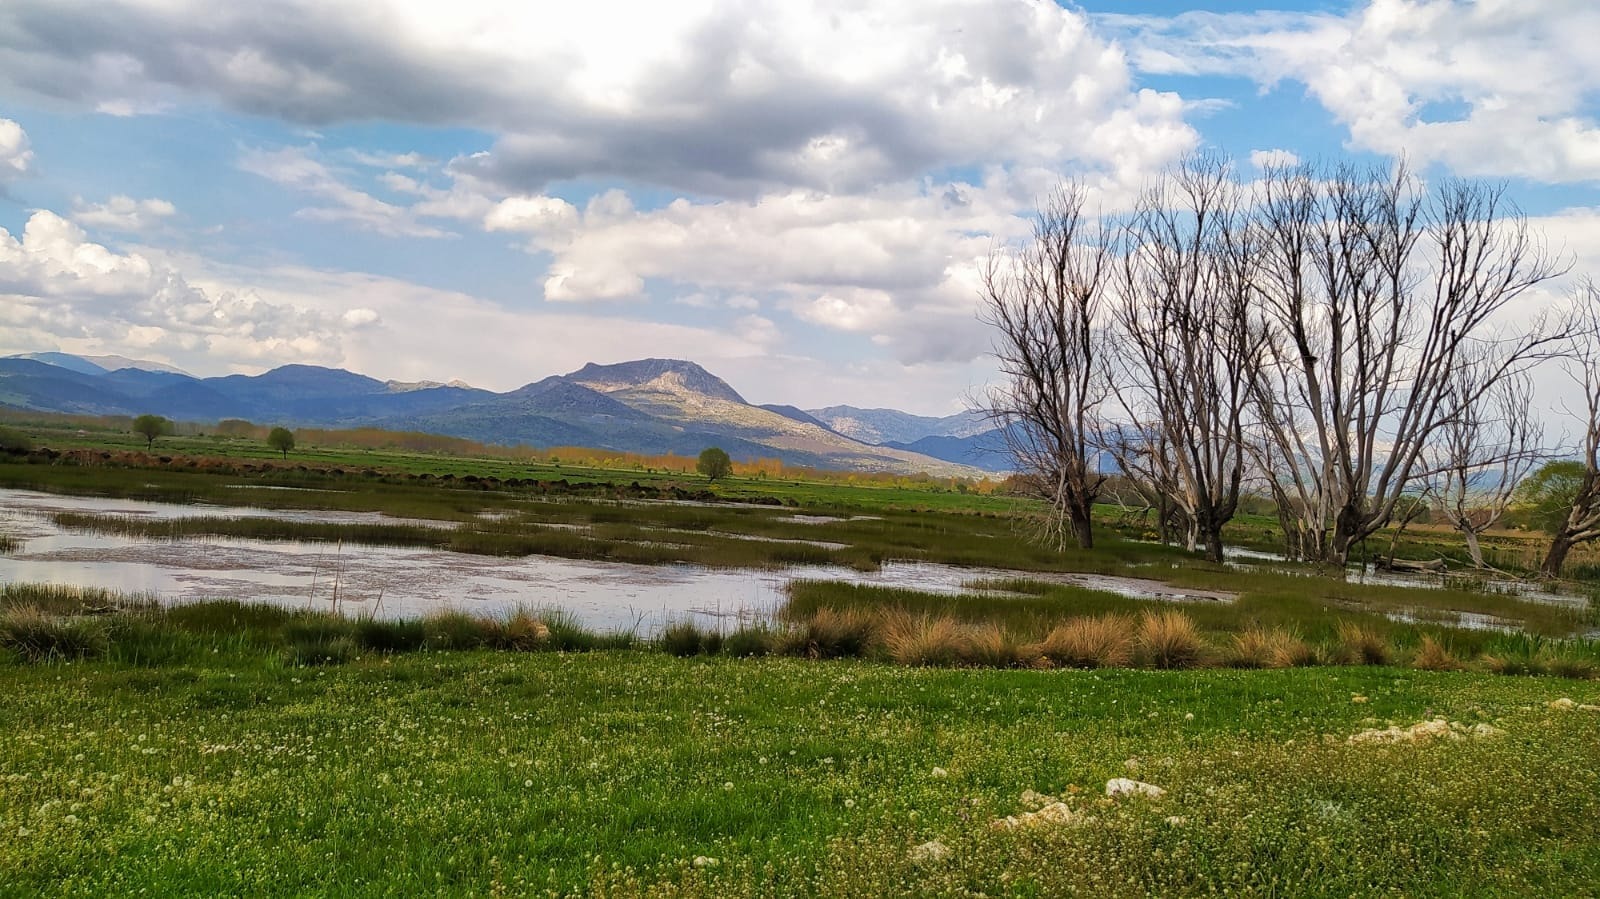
<point>796,195</point>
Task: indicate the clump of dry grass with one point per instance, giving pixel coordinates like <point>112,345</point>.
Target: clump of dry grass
<point>1170,640</point>
<point>522,631</point>
<point>831,634</point>
<point>1435,656</point>
<point>1104,642</point>
<point>1573,667</point>
<point>992,646</point>
<point>1257,647</point>
<point>924,639</point>
<point>1362,645</point>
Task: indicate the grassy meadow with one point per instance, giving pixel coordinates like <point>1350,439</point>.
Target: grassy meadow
<point>1311,735</point>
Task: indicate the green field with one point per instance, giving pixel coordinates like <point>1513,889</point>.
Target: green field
<point>224,748</point>
<point>611,773</point>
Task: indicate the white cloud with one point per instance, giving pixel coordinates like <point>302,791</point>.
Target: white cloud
<point>122,213</point>
<point>1267,159</point>
<point>16,154</point>
<point>696,95</point>
<point>296,168</point>
<point>59,288</point>
<point>1489,88</point>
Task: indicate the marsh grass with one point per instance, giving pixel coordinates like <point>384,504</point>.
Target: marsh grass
<point>1433,655</point>
<point>39,636</point>
<point>1257,647</point>
<point>1102,642</point>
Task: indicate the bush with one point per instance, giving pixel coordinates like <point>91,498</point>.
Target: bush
<point>38,637</point>
<point>1104,642</point>
<point>1170,640</point>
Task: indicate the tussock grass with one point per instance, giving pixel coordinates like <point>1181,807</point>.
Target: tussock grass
<point>1257,647</point>
<point>1169,640</point>
<point>39,636</point>
<point>1433,655</point>
<point>924,640</point>
<point>1102,642</point>
<point>1359,644</point>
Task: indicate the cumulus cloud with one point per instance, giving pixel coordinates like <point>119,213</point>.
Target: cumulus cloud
<point>297,168</point>
<point>58,287</point>
<point>122,213</point>
<point>16,154</point>
<point>696,96</point>
<point>1486,88</point>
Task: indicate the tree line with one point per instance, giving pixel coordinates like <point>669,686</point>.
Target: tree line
<point>1336,337</point>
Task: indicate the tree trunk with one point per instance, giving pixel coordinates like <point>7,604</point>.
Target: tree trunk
<point>1556,558</point>
<point>1473,549</point>
<point>1078,517</point>
<point>1214,544</point>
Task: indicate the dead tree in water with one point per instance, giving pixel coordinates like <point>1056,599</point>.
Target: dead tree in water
<point>1582,521</point>
<point>1374,297</point>
<point>1044,299</point>
<point>1186,344</point>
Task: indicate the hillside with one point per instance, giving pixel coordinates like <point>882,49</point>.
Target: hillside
<point>646,406</point>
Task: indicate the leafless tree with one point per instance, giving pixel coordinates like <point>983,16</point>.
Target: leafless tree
<point>1582,522</point>
<point>1374,293</point>
<point>1187,345</point>
<point>1044,299</point>
<point>1482,451</point>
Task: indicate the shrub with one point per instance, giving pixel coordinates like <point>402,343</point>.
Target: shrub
<point>1362,645</point>
<point>923,639</point>
<point>1434,656</point>
<point>39,637</point>
<point>1104,642</point>
<point>1170,640</point>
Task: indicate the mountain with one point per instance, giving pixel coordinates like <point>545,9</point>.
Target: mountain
<point>649,406</point>
<point>884,426</point>
<point>986,450</point>
<point>95,365</point>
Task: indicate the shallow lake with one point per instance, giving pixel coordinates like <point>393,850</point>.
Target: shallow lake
<point>407,582</point>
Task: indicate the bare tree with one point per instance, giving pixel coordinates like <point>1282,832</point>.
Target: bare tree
<point>1044,299</point>
<point>1187,345</point>
<point>1374,295</point>
<point>1481,453</point>
<point>1582,522</point>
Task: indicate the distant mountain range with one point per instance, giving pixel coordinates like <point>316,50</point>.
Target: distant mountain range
<point>647,406</point>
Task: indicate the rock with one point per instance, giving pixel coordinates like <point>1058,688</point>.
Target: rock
<point>1056,814</point>
<point>940,773</point>
<point>1563,704</point>
<point>703,861</point>
<point>1423,731</point>
<point>929,852</point>
<point>1034,800</point>
<point>1118,787</point>
<point>1358,699</point>
<point>1176,821</point>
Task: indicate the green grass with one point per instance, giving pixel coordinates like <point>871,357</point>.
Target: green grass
<point>471,773</point>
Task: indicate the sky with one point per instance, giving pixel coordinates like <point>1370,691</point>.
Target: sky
<point>796,195</point>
